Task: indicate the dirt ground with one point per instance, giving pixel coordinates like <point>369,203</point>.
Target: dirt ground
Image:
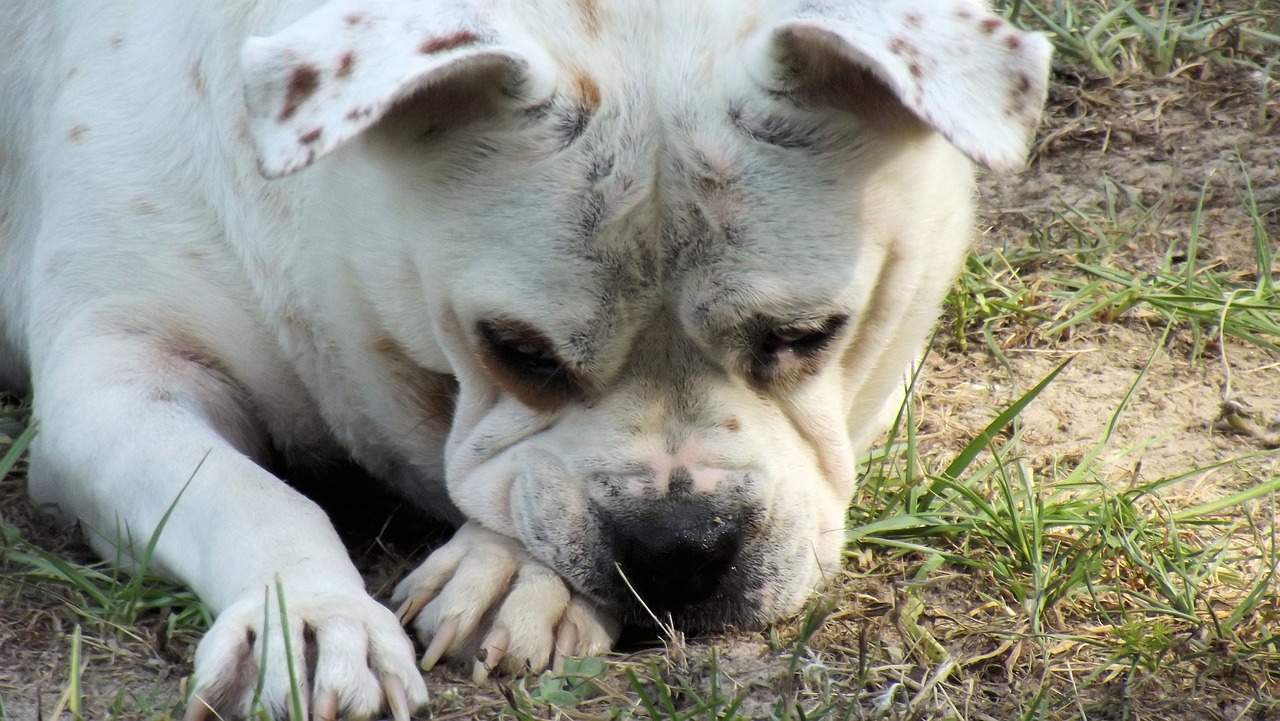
<point>1109,149</point>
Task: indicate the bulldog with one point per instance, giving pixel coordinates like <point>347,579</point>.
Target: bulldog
<point>620,288</point>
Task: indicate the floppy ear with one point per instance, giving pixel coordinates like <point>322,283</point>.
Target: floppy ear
<point>334,73</point>
<point>963,71</point>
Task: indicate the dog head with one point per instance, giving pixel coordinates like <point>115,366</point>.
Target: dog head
<point>679,256</point>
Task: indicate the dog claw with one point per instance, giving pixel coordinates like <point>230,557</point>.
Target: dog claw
<point>197,710</point>
<point>493,649</point>
<point>566,645</point>
<point>397,700</point>
<point>440,642</point>
<point>325,707</point>
<point>412,606</point>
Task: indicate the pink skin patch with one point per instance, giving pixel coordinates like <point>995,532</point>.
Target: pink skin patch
<point>689,458</point>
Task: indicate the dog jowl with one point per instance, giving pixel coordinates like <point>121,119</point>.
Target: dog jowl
<point>619,288</point>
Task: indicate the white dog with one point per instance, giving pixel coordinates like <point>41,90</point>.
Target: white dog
<point>618,286</point>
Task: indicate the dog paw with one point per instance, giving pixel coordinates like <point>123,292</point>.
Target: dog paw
<point>346,655</point>
<point>482,596</point>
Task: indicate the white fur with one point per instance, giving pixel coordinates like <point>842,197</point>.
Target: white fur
<point>645,184</point>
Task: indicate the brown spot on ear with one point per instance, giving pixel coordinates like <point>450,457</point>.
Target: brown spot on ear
<point>990,25</point>
<point>1013,42</point>
<point>587,90</point>
<point>310,137</point>
<point>452,41</point>
<point>198,81</point>
<point>346,64</point>
<point>431,394</point>
<point>77,132</point>
<point>732,424</point>
<point>302,85</point>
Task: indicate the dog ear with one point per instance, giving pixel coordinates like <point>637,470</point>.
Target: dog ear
<point>952,64</point>
<point>337,71</point>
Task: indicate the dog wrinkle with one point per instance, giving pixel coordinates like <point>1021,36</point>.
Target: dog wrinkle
<point>303,83</point>
<point>433,395</point>
<point>858,357</point>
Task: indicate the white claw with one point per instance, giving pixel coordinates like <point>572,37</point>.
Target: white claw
<point>440,643</point>
<point>325,707</point>
<point>397,700</point>
<point>412,606</point>
<point>566,644</point>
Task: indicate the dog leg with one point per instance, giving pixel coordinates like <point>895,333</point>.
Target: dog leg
<point>482,596</point>
<point>133,428</point>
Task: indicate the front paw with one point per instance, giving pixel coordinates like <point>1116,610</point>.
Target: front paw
<point>346,655</point>
<point>482,596</point>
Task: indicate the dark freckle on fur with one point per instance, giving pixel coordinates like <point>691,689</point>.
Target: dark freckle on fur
<point>451,41</point>
<point>354,18</point>
<point>898,46</point>
<point>116,41</point>
<point>989,25</point>
<point>302,85</point>
<point>355,114</point>
<point>72,72</point>
<point>347,64</point>
<point>601,168</point>
<point>197,80</point>
<point>964,13</point>
<point>914,20</point>
<point>732,424</point>
<point>915,69</point>
<point>1024,83</point>
<point>77,132</point>
<point>1013,42</point>
<point>311,136</point>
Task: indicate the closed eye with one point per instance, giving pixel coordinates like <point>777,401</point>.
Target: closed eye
<point>524,362</point>
<point>789,351</point>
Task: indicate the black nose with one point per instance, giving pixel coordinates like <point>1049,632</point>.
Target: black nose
<point>678,555</point>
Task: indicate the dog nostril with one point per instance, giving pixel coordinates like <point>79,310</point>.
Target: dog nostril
<point>678,556</point>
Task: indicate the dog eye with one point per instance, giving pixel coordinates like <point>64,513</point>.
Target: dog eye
<point>528,357</point>
<point>792,350</point>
